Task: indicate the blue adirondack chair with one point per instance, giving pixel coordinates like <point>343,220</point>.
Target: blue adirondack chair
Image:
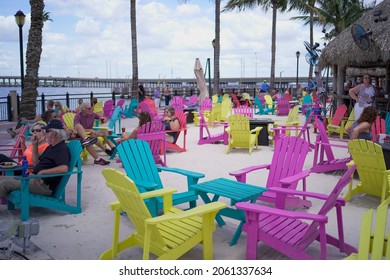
<point>262,110</point>
<point>131,109</point>
<point>140,166</point>
<point>387,121</point>
<point>23,199</point>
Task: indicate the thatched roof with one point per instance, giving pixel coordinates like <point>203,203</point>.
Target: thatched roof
<point>343,51</point>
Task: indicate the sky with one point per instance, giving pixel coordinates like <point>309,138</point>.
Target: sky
<point>91,38</point>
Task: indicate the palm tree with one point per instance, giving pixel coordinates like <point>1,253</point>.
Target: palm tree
<point>276,5</point>
<point>33,58</point>
<point>134,51</point>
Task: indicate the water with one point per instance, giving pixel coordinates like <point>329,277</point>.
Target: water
<point>59,91</point>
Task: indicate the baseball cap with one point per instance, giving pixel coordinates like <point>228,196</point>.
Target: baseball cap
<point>54,124</point>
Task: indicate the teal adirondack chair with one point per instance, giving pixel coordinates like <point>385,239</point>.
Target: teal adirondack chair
<point>262,110</point>
<point>131,109</point>
<point>24,200</point>
<point>140,166</point>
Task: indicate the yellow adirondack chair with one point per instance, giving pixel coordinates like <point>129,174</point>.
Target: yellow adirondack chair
<point>373,245</point>
<point>269,103</point>
<point>342,128</point>
<point>240,134</point>
<point>98,108</point>
<point>371,167</point>
<point>226,108</point>
<point>168,236</point>
<point>214,98</point>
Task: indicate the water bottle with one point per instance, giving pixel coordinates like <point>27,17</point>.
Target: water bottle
<point>24,167</point>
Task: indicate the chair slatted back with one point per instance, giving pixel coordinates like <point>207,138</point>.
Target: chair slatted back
<point>378,127</point>
<point>154,133</point>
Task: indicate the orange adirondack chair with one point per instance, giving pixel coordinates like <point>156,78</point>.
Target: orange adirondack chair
<point>182,133</point>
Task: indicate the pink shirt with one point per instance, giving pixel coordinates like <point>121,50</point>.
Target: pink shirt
<point>86,121</point>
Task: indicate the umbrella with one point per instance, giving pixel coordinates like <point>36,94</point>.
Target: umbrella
<point>200,81</point>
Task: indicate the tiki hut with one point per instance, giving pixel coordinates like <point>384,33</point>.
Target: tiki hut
<point>343,54</point>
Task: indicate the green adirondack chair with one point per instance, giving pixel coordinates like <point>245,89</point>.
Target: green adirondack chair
<point>140,166</point>
<point>24,200</point>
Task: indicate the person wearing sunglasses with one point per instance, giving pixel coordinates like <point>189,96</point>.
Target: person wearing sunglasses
<point>37,133</point>
<point>363,94</point>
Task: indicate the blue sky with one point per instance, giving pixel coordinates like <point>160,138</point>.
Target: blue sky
<point>91,38</point>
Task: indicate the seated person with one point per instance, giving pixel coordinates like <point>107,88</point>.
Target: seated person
<point>83,123</point>
<point>79,102</point>
<point>144,117</point>
<point>58,109</point>
<point>171,123</point>
<point>53,160</point>
<point>37,131</point>
<point>361,129</point>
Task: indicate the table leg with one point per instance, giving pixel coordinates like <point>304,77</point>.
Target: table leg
<point>207,200</point>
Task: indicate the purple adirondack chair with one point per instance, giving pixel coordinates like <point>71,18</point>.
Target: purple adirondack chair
<point>192,101</point>
<point>108,108</point>
<point>154,133</point>
<point>291,232</point>
<point>324,160</point>
<point>282,107</point>
<point>209,138</point>
<point>287,163</point>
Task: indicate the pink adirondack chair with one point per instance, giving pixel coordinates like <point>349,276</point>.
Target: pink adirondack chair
<point>324,160</point>
<point>378,127</point>
<point>154,133</point>
<point>282,107</point>
<point>15,150</point>
<point>291,232</point>
<point>209,138</point>
<point>338,116</point>
<point>182,132</point>
<point>192,101</point>
<point>153,114</point>
<point>178,103</point>
<point>287,163</point>
<point>108,108</point>
<point>244,110</point>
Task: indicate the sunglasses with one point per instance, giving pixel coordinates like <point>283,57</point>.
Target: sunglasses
<point>36,130</point>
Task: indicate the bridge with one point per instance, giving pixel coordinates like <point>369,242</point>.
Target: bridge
<point>115,83</point>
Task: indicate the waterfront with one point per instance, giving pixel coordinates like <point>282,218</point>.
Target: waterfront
<point>59,91</point>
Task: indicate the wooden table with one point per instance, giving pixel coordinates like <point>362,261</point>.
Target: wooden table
<point>233,190</point>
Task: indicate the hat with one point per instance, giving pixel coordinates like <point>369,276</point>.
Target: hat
<point>264,80</point>
<point>54,124</point>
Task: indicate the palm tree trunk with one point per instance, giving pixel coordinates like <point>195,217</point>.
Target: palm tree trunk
<point>217,48</point>
<point>33,57</point>
<point>133,23</point>
<point>273,44</point>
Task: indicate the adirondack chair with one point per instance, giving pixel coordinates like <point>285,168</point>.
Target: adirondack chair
<point>287,163</point>
<point>371,167</point>
<point>131,109</point>
<point>178,103</point>
<point>192,101</point>
<point>98,108</point>
<point>182,133</point>
<point>214,98</point>
<point>24,200</point>
<point>209,138</point>
<point>387,121</point>
<point>335,120</point>
<point>378,127</point>
<point>244,110</point>
<point>269,103</point>
<point>291,124</point>
<point>168,236</point>
<point>154,133</point>
<point>108,108</point>
<point>121,103</point>
<point>236,102</point>
<point>144,107</point>
<point>226,109</point>
<point>282,107</point>
<point>260,106</point>
<point>324,160</point>
<point>374,245</point>
<point>15,151</point>
<point>290,232</point>
<point>240,135</point>
<point>344,125</point>
<point>139,165</point>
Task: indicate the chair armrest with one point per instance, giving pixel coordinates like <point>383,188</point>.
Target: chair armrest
<point>157,193</point>
<point>241,173</point>
<point>261,209</point>
<point>188,173</point>
<point>31,176</point>
<point>292,179</point>
<point>213,207</point>
<point>256,130</point>
<point>149,186</point>
<point>331,144</point>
